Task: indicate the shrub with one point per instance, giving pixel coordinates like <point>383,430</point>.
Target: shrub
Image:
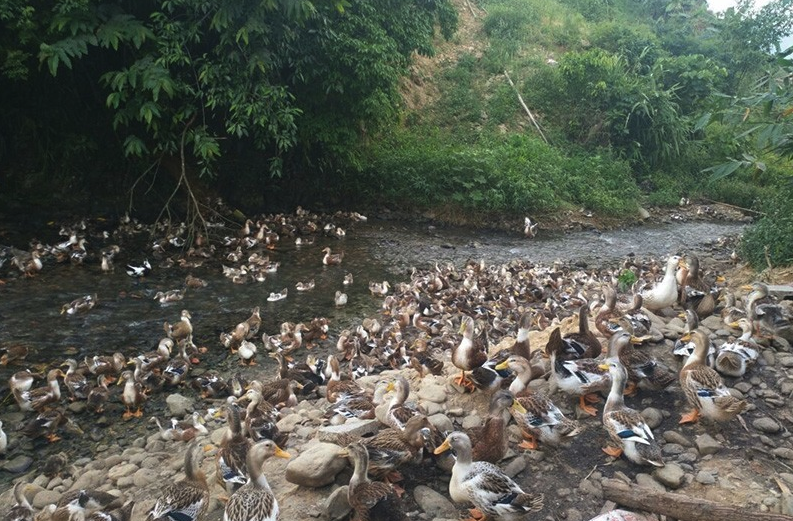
<point>773,231</point>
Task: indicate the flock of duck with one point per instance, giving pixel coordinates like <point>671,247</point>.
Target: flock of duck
<point>458,311</point>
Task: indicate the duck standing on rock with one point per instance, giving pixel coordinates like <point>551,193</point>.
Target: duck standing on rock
<point>132,395</point>
<point>231,460</point>
<point>255,501</point>
<point>626,427</point>
<point>492,492</point>
<point>704,388</point>
<point>371,500</point>
<point>469,354</point>
<point>663,294</point>
<point>578,377</point>
<point>185,500</point>
<point>37,399</point>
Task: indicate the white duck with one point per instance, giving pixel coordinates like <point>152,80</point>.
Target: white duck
<point>663,294</point>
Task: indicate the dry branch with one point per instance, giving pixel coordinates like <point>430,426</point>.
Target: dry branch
<point>678,506</point>
<point>523,104</point>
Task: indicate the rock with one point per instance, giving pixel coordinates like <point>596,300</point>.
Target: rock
<point>289,422</point>
<point>705,477</point>
<point>432,393</point>
<point>179,405</point>
<point>89,479</point>
<point>18,465</point>
<point>317,466</point>
<point>77,407</point>
<point>434,504</point>
<point>783,452</point>
<point>677,438</point>
<point>712,322</point>
<point>217,435</point>
<point>671,475</point>
<point>653,417</point>
<point>707,445</point>
<point>144,477</point>
<point>643,214</point>
<point>354,428</point>
<point>471,421</point>
<point>122,470</point>
<point>766,424</point>
<point>744,387</point>
<point>516,466</point>
<point>44,498</point>
<point>441,422</point>
<point>647,481</point>
<point>336,506</point>
<point>672,449</point>
<point>573,514</point>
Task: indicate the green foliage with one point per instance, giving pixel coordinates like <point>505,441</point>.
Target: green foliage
<point>637,44</point>
<point>626,279</point>
<point>771,233</point>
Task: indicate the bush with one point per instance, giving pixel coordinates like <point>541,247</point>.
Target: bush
<point>773,231</point>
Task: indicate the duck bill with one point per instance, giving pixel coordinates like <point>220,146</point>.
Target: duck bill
<point>518,407</point>
<point>443,447</point>
<point>503,365</point>
<point>281,453</point>
<point>389,387</point>
<point>636,340</point>
<point>603,367</point>
<point>343,453</point>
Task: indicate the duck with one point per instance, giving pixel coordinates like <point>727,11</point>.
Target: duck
<point>767,316</point>
<point>704,389</point>
<point>487,487</point>
<point>581,344</point>
<point>182,330</point>
<point>730,313</point>
<point>684,346</point>
<point>182,431</point>
<point>340,299</point>
<point>370,500</point>
<point>379,289</point>
<point>29,263</point>
<point>469,353</point>
<point>80,305</point>
<point>633,320</point>
<point>489,441</point>
<point>361,406</point>
<point>157,358</point>
<point>247,353</point>
<point>166,297</point>
<point>695,292</point>
<point>47,423</point>
<point>39,398</point>
<point>97,396</point>
<point>538,417</point>
<point>139,270</point>
<point>109,253</point>
<point>132,396</point>
<point>185,500</point>
<point>664,293</point>
<point>22,510</point>
<point>77,504</point>
<point>3,440</point>
<point>210,385</point>
<point>74,380</point>
<point>14,354</point>
<point>529,228</point>
<point>260,417</point>
<point>736,355</point>
<point>21,381</point>
<point>193,282</point>
<point>398,412</point>
<point>305,286</point>
<point>177,368</point>
<point>276,296</point>
<point>337,387</point>
<point>106,365</point>
<point>581,377</point>
<point>255,500</point>
<point>230,462</point>
<point>626,427</point>
<point>643,370</point>
<point>281,392</point>
<point>331,259</point>
<point>348,279</point>
<point>122,514</point>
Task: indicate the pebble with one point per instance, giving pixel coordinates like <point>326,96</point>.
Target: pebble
<point>317,466</point>
<point>744,387</point>
<point>336,506</point>
<point>672,449</point>
<point>706,444</point>
<point>647,481</point>
<point>18,464</point>
<point>471,421</point>
<point>289,422</point>
<point>677,438</point>
<point>653,417</point>
<point>431,392</point>
<point>353,428</point>
<point>433,503</point>
<point>705,477</point>
<point>783,452</point>
<point>179,405</point>
<point>766,424</point>
<point>671,475</point>
<point>44,498</point>
<point>516,466</point>
<point>121,470</point>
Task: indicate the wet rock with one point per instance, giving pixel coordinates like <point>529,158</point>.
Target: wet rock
<point>672,449</point>
<point>44,498</point>
<point>18,464</point>
<point>340,434</point>
<point>653,417</point>
<point>179,405</point>
<point>783,452</point>
<point>766,424</point>
<point>317,466</point>
<point>336,506</point>
<point>432,393</point>
<point>707,445</point>
<point>671,475</point>
<point>144,477</point>
<point>705,477</point>
<point>434,504</point>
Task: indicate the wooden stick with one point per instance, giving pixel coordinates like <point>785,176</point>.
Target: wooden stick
<point>520,98</point>
<point>471,8</point>
<point>678,506</point>
<point>741,208</point>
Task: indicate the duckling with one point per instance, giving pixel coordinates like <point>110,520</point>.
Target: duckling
<point>75,381</point>
<point>255,501</point>
<point>348,279</point>
<point>469,353</point>
<point>305,286</point>
<point>166,297</point>
<point>55,464</point>
<point>139,270</point>
<point>247,353</point>
<point>581,377</point>
<point>643,370</point>
<point>664,294</point>
<point>340,299</point>
<point>704,388</point>
<point>37,399</point>
<point>21,511</point>
<point>80,305</point>
<point>332,259</point>
<point>14,354</point>
<point>626,427</point>
<point>371,500</point>
<point>379,289</point>
<point>276,296</point>
<point>232,470</point>
<point>181,330</point>
<point>97,396</point>
<point>185,500</point>
<point>483,484</point>
<point>736,355</point>
<point>133,396</point>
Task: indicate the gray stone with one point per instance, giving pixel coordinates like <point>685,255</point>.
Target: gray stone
<point>336,506</point>
<point>434,504</point>
<point>354,428</point>
<point>670,475</point>
<point>516,466</point>
<point>707,445</point>
<point>89,479</point>
<point>432,393</point>
<point>471,421</point>
<point>44,498</point>
<point>573,514</point>
<point>672,449</point>
<point>653,417</point>
<point>766,424</point>
<point>317,466</point>
<point>712,322</point>
<point>441,422</point>
<point>215,436</point>
<point>77,407</point>
<point>647,481</point>
<point>783,452</point>
<point>122,470</point>
<point>18,465</point>
<point>144,477</point>
<point>744,387</point>
<point>705,477</point>
<point>677,438</point>
<point>179,405</point>
<point>289,422</point>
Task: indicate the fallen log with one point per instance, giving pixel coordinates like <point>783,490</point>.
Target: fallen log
<point>678,506</point>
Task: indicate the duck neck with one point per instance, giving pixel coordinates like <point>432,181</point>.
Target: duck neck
<point>359,475</point>
<point>615,399</point>
<point>463,453</point>
<point>583,320</point>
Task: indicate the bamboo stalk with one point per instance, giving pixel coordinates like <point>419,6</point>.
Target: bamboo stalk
<point>523,104</point>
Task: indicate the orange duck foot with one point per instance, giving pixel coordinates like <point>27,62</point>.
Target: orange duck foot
<point>530,442</point>
<point>614,452</point>
<point>587,408</point>
<point>690,417</point>
<point>462,381</point>
<point>52,438</point>
<point>630,389</point>
<point>476,515</point>
<point>399,491</point>
<point>592,398</point>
